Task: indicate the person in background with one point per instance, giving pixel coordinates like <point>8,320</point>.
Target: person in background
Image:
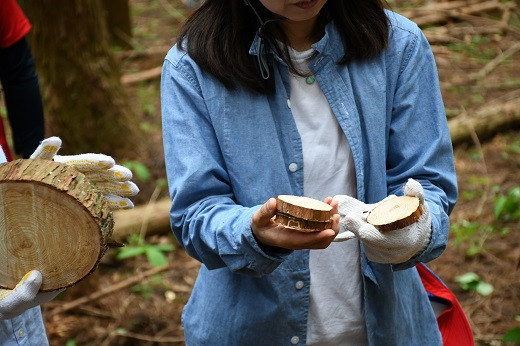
<point>21,320</point>
<point>313,98</point>
<point>19,83</point>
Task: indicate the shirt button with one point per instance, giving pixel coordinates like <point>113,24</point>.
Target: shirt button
<point>295,340</point>
<point>299,285</point>
<point>293,167</point>
<point>20,333</point>
<point>289,103</point>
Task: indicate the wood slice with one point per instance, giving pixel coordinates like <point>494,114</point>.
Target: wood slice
<point>395,213</point>
<point>51,219</point>
<point>303,213</point>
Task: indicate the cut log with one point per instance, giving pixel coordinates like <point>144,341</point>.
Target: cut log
<point>145,219</point>
<point>51,219</point>
<point>303,213</point>
<point>395,213</point>
<point>486,121</point>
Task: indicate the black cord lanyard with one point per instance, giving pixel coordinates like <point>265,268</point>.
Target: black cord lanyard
<point>263,65</point>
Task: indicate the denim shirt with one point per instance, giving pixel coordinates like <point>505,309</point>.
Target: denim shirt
<point>228,151</point>
<point>24,330</point>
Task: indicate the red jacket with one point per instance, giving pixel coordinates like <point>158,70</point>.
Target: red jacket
<point>13,23</point>
<point>13,26</point>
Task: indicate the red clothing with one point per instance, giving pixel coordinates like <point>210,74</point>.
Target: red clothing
<point>13,23</point>
<point>3,141</point>
<point>453,324</point>
<point>13,26</point>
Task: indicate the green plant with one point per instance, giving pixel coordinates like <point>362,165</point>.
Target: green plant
<point>507,207</point>
<point>513,334</point>
<point>472,282</point>
<point>141,171</point>
<point>145,289</point>
<point>515,147</point>
<point>473,49</point>
<point>473,233</point>
<point>153,252</point>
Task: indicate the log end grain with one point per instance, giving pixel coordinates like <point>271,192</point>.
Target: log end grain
<point>395,213</point>
<point>52,220</point>
<point>303,213</point>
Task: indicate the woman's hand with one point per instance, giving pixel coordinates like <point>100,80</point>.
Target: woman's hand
<point>267,232</point>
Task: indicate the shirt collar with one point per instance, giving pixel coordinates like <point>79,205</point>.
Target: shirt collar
<point>331,43</point>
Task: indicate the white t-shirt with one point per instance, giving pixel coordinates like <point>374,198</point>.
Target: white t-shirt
<point>2,156</point>
<point>335,309</point>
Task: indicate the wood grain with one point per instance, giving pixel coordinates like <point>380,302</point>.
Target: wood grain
<point>51,219</point>
<point>395,213</point>
<point>303,213</point>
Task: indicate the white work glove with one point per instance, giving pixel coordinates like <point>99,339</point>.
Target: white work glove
<point>394,247</point>
<point>111,179</point>
<point>24,296</point>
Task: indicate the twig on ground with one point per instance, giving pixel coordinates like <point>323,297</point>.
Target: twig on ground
<point>478,145</point>
<point>142,76</point>
<point>490,66</point>
<point>147,212</point>
<point>108,290</point>
<point>136,53</point>
<point>143,337</point>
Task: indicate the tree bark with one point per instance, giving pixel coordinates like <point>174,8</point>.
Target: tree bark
<point>485,122</point>
<point>119,22</point>
<point>84,100</point>
<point>52,219</point>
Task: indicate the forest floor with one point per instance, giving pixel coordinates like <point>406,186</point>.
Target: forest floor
<point>148,311</point>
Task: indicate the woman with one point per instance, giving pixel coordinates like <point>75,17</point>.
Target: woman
<point>316,98</point>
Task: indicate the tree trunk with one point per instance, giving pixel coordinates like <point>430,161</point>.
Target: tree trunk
<point>84,100</point>
<point>51,219</point>
<point>119,23</point>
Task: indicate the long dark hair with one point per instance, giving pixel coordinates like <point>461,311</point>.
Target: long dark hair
<point>219,34</point>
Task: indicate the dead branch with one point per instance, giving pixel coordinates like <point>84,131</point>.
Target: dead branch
<point>108,290</point>
<point>476,141</point>
<point>132,221</point>
<point>148,338</point>
<point>435,14</point>
<point>141,76</point>
<point>490,66</point>
<point>131,54</point>
<point>486,121</point>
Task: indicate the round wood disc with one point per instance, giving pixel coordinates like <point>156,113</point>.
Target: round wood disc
<point>302,213</point>
<point>395,213</point>
<point>52,220</point>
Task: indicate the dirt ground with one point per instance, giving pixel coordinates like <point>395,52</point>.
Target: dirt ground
<point>148,312</point>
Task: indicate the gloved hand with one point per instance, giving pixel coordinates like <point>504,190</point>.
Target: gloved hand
<point>24,296</point>
<point>111,179</point>
<point>394,247</point>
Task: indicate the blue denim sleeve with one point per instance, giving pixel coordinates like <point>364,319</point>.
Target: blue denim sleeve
<point>26,329</point>
<point>419,144</point>
<point>204,216</point>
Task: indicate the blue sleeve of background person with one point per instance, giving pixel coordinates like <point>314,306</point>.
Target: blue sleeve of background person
<point>26,329</point>
<point>204,216</point>
<point>419,143</point>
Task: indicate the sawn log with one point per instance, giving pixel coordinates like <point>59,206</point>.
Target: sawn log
<point>51,219</point>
